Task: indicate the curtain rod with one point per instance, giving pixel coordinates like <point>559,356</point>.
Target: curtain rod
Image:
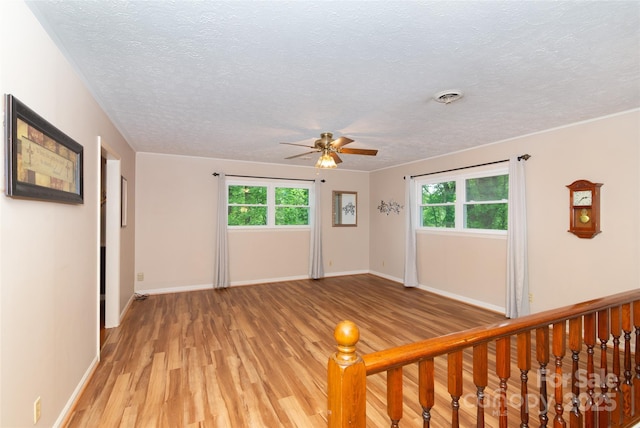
<point>525,157</point>
<point>215,174</point>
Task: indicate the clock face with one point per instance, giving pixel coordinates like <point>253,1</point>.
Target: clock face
<point>582,198</point>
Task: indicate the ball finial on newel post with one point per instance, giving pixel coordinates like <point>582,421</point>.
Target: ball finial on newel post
<point>347,380</point>
<point>347,335</point>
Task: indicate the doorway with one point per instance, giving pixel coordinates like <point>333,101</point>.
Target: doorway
<point>103,222</point>
<point>109,287</point>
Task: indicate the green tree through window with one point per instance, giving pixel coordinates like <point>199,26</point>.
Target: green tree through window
<point>268,205</point>
<point>292,206</point>
<point>247,206</point>
<point>466,202</point>
<point>486,202</point>
<point>438,204</point>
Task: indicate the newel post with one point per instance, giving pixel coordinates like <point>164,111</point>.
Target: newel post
<point>347,379</point>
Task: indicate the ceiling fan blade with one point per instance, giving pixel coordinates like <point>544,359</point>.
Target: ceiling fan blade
<point>301,145</point>
<point>339,142</point>
<point>335,157</point>
<point>368,152</point>
<point>302,154</point>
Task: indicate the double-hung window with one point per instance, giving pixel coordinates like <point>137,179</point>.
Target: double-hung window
<point>486,202</point>
<point>464,202</point>
<point>268,204</point>
<point>438,206</point>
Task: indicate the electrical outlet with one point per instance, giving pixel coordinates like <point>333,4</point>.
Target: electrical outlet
<point>36,410</point>
<point>530,297</point>
<point>140,276</point>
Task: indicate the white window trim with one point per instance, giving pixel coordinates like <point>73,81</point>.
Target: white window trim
<point>460,179</point>
<point>271,203</point>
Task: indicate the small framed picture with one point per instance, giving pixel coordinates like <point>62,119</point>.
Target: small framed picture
<point>345,209</point>
<point>42,162</point>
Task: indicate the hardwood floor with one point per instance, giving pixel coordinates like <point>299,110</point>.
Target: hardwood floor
<point>256,356</point>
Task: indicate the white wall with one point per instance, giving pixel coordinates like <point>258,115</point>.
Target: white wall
<point>564,269</point>
<point>49,251</point>
<point>176,211</point>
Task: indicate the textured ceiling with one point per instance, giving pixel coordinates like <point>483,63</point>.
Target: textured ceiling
<point>232,79</point>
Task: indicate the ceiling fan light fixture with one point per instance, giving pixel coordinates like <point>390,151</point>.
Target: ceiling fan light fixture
<point>329,149</point>
<point>326,161</point>
<point>448,96</point>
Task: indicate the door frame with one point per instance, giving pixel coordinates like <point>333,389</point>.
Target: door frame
<point>112,235</point>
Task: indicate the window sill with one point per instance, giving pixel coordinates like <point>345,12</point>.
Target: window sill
<point>468,233</point>
<point>268,229</point>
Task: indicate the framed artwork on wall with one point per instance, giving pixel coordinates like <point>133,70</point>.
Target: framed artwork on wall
<point>42,162</point>
<point>345,208</point>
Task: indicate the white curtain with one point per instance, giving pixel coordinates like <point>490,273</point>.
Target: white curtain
<point>316,269</point>
<point>221,262</point>
<point>410,261</point>
<point>517,303</point>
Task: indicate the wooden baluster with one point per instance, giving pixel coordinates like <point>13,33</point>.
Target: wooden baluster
<point>524,364</point>
<point>454,382</point>
<point>590,342</point>
<point>575,345</point>
<point>542,355</point>
<point>480,379</point>
<point>426,393</point>
<point>503,370</point>
<point>347,377</point>
<point>603,400</point>
<point>636,379</point>
<point>627,406</point>
<point>394,396</point>
<point>559,349</point>
<point>615,403</point>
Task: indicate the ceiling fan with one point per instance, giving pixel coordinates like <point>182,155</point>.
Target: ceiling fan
<point>330,149</point>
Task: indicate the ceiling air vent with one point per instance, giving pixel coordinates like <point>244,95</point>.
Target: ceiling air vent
<point>448,96</point>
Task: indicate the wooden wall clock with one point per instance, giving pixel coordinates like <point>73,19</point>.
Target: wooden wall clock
<point>584,208</point>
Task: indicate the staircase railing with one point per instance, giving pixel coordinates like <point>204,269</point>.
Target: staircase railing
<point>606,396</point>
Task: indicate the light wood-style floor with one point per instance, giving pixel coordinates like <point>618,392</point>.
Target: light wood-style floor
<point>256,356</point>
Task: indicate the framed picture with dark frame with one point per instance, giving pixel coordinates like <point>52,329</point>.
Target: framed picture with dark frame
<point>42,162</point>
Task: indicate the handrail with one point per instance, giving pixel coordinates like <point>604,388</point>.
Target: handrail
<point>590,321</point>
<point>380,361</point>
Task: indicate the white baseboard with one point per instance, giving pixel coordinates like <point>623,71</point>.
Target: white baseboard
<point>264,281</point>
<point>126,308</point>
<point>474,302</point>
<point>385,276</point>
<point>350,272</point>
<point>198,287</point>
<point>180,289</point>
<point>444,293</point>
<point>295,278</point>
<point>76,392</point>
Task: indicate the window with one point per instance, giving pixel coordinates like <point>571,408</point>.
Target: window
<point>292,206</point>
<point>247,205</point>
<point>486,202</point>
<point>252,204</point>
<point>476,201</point>
<point>438,204</point>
